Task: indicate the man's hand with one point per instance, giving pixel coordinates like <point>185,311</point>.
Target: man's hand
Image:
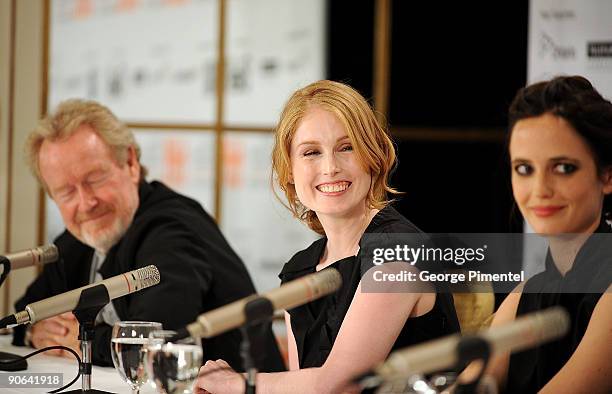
<point>58,330</point>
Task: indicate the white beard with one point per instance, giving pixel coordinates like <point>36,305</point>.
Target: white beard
<point>105,239</point>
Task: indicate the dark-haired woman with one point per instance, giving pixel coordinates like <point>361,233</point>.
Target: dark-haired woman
<point>561,156</point>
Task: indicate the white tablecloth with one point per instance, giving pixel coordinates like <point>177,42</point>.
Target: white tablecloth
<point>102,378</point>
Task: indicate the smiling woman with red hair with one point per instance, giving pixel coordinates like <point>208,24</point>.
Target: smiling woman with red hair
<point>332,159</point>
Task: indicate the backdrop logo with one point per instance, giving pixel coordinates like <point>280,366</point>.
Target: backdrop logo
<point>548,47</point>
<point>557,14</point>
<point>599,49</point>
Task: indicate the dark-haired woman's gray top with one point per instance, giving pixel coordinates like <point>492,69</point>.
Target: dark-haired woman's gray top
<point>316,325</point>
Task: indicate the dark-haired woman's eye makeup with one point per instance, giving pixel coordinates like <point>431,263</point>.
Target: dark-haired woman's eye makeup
<point>523,169</point>
<point>565,168</point>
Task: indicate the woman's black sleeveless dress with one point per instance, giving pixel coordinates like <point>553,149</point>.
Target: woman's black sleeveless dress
<point>591,272</point>
<point>316,325</point>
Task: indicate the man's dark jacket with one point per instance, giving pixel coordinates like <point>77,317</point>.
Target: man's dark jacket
<point>199,272</point>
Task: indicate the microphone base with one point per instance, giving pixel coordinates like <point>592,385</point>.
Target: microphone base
<point>91,301</point>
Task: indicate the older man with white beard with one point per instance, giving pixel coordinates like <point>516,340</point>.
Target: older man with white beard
<point>116,221</point>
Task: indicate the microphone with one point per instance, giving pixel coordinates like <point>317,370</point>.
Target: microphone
<point>291,294</point>
<point>523,333</point>
<point>117,286</point>
<point>35,256</point>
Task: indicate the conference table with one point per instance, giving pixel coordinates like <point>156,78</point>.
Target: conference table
<point>102,378</point>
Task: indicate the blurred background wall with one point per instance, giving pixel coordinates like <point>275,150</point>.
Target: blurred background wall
<point>22,94</point>
<point>201,83</point>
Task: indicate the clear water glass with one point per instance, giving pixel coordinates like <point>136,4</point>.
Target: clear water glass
<point>128,349</point>
<point>173,365</point>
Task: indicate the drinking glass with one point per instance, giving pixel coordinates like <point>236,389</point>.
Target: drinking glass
<point>128,350</point>
<point>173,365</point>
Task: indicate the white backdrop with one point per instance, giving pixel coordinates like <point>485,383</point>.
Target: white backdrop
<point>571,37</point>
<point>152,62</point>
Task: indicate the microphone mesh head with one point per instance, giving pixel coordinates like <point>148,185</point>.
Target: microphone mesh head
<point>48,254</point>
<point>147,276</point>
